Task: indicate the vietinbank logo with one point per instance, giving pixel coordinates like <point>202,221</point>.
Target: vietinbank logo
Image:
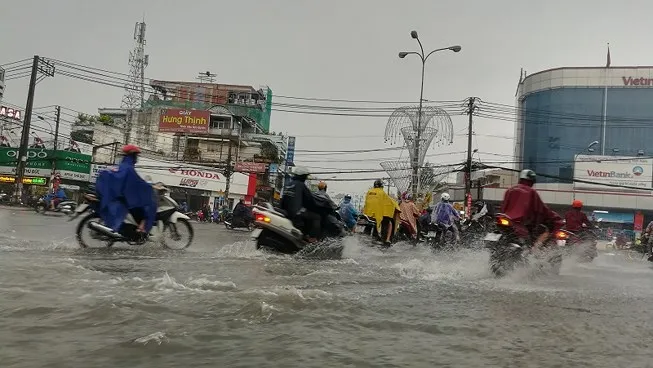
<point>637,171</point>
<point>630,81</point>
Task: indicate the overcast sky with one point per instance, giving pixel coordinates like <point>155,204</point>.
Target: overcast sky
<point>328,49</point>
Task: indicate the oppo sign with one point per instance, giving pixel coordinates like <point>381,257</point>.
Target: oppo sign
<point>30,154</point>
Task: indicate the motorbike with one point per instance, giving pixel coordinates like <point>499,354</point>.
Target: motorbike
<point>66,207</point>
<point>238,222</point>
<point>365,225</point>
<point>168,216</point>
<point>508,251</point>
<point>440,236</point>
<point>582,244</point>
<point>277,233</point>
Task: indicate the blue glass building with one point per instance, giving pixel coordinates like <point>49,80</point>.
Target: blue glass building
<point>562,111</point>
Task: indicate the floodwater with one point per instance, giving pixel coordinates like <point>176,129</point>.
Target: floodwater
<point>221,303</point>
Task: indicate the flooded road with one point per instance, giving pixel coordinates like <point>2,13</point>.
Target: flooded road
<point>222,303</point>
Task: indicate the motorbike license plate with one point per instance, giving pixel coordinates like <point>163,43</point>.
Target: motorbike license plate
<point>431,234</point>
<point>81,208</point>
<point>492,237</point>
<point>256,233</point>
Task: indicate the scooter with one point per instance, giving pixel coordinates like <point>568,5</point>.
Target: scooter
<point>168,216</point>
<point>66,207</point>
<point>276,232</point>
<point>508,251</point>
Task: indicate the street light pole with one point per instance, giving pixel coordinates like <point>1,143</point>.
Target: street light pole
<point>423,58</point>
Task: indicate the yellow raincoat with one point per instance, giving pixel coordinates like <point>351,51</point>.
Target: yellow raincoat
<point>378,204</point>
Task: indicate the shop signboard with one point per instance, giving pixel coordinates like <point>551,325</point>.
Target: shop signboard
<point>27,180</point>
<point>184,121</point>
<point>73,166</point>
<point>95,169</point>
<point>39,161</point>
<point>250,167</point>
<point>616,173</point>
<point>290,154</point>
<point>70,165</point>
<point>178,174</point>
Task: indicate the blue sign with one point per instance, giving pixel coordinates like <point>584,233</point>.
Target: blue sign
<point>273,168</point>
<point>290,155</point>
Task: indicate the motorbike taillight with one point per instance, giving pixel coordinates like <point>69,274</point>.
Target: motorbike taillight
<point>504,222</point>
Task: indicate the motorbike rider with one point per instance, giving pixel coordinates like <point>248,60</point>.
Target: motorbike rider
<point>409,213</point>
<point>122,191</point>
<point>348,213</point>
<point>58,197</point>
<point>242,213</point>
<point>383,209</point>
<point>444,214</point>
<point>322,192</point>
<point>523,205</point>
<point>299,205</point>
<point>647,238</point>
<point>575,219</point>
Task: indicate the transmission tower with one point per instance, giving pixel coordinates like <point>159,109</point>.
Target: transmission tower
<point>135,89</point>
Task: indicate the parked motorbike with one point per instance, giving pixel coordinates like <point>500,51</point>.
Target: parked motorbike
<point>277,233</point>
<point>66,207</point>
<point>167,217</point>
<point>508,251</point>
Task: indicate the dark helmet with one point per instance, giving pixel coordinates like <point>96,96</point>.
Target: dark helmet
<point>378,183</point>
<point>347,196</point>
<point>527,174</point>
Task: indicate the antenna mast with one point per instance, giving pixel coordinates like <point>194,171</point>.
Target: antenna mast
<point>134,97</point>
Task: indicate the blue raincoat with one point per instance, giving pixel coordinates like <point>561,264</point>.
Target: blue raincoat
<point>348,213</point>
<point>122,190</point>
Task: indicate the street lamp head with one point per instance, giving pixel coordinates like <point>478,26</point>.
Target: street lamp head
<point>402,54</point>
<point>41,117</point>
<point>413,34</point>
<point>456,48</point>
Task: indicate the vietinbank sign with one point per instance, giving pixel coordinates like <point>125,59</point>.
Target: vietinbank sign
<point>614,172</point>
<point>637,81</point>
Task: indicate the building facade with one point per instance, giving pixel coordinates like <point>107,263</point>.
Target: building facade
<point>586,132</point>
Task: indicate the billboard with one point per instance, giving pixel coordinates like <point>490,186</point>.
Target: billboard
<point>250,167</point>
<point>632,172</point>
<point>290,155</point>
<point>184,121</point>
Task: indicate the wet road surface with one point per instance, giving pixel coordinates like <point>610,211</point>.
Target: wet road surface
<point>222,303</point>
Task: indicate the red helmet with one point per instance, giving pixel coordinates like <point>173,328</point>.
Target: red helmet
<point>130,149</point>
<point>577,204</point>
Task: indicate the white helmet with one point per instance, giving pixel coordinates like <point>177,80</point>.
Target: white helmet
<point>445,196</point>
<point>300,171</point>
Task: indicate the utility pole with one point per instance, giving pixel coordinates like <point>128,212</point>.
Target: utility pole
<point>47,69</point>
<point>227,173</point>
<point>56,145</point>
<point>468,174</point>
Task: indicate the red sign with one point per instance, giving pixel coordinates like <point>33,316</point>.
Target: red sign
<point>184,121</point>
<point>639,222</point>
<point>630,81</point>
<point>195,173</point>
<point>251,167</point>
